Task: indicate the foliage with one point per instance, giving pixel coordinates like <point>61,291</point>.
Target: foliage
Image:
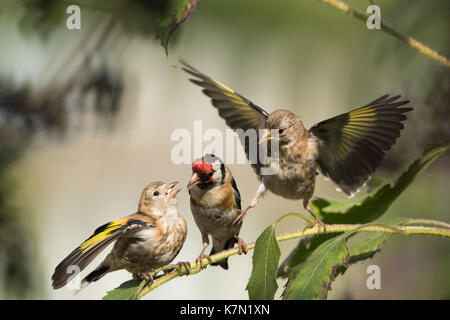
<point>312,278</point>
<point>160,18</point>
<point>126,291</point>
<point>179,11</point>
<point>265,264</point>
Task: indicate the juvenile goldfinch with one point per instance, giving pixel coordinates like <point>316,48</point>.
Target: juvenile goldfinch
<point>145,240</point>
<point>215,205</point>
<point>347,148</point>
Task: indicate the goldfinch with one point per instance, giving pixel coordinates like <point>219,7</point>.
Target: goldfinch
<point>347,148</point>
<point>148,239</point>
<point>215,205</point>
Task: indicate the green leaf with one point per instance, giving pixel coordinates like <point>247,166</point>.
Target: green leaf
<point>371,244</point>
<point>179,11</point>
<point>360,210</point>
<point>126,291</point>
<point>312,279</point>
<point>377,202</point>
<point>262,283</point>
<point>305,247</point>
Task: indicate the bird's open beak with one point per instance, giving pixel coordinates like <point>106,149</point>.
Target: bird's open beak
<point>171,191</point>
<point>195,179</point>
<point>265,137</point>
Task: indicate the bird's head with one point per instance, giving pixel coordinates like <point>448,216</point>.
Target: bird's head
<point>157,197</point>
<point>207,170</point>
<point>288,125</point>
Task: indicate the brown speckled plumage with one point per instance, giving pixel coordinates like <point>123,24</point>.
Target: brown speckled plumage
<point>215,204</point>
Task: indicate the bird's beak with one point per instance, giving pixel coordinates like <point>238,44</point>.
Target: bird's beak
<point>265,137</point>
<point>170,191</point>
<point>195,179</point>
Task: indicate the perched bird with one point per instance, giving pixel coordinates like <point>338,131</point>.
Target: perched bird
<point>215,205</point>
<point>145,240</point>
<point>347,148</point>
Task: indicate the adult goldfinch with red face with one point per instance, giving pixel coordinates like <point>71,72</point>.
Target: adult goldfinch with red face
<point>145,240</point>
<point>215,204</point>
<point>347,148</point>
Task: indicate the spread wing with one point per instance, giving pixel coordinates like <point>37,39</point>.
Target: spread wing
<point>352,145</point>
<point>237,111</point>
<point>89,249</point>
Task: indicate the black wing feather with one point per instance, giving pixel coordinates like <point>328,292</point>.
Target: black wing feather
<point>91,247</point>
<point>237,111</point>
<point>353,144</point>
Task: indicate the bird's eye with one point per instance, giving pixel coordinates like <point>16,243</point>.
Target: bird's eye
<point>156,193</point>
<point>207,176</point>
<point>281,131</point>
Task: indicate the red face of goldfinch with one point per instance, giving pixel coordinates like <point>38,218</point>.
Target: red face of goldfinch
<point>202,172</point>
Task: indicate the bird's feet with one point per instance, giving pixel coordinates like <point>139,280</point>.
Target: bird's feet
<point>319,224</point>
<point>317,221</point>
<point>242,246</point>
<point>147,276</point>
<point>186,265</point>
<point>253,203</point>
<point>240,216</point>
<point>200,259</point>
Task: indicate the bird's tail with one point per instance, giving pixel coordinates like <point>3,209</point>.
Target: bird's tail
<point>95,275</point>
<point>228,245</point>
<point>83,255</point>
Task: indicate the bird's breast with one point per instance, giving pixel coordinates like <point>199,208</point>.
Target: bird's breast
<point>152,248</point>
<point>213,217</point>
<point>296,172</point>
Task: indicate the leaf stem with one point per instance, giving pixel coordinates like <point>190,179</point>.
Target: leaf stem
<point>294,214</point>
<point>333,228</point>
<point>422,48</point>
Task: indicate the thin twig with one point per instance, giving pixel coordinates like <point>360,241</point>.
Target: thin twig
<point>422,48</point>
<point>429,222</point>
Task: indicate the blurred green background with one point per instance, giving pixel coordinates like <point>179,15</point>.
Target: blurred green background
<point>86,118</point>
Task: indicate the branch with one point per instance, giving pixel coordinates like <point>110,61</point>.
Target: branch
<point>422,48</point>
<point>443,230</point>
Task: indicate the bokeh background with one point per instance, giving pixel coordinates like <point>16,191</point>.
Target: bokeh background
<point>86,118</point>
